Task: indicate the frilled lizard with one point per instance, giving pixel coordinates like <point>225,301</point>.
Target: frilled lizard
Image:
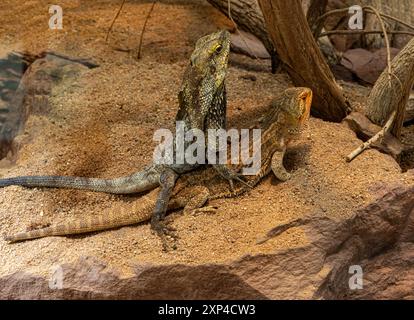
<point>202,106</point>
<point>279,126</point>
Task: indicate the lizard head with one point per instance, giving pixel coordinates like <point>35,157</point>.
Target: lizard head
<point>297,104</point>
<point>290,110</point>
<point>210,57</point>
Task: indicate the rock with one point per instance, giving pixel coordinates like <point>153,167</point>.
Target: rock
<point>366,65</point>
<point>342,73</point>
<point>32,92</point>
<point>217,256</point>
<point>378,238</point>
<point>355,59</point>
<point>248,44</point>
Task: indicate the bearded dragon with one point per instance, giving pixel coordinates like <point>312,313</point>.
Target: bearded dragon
<point>280,125</point>
<point>202,105</point>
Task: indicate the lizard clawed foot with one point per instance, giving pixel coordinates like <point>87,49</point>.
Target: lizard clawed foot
<point>231,175</point>
<point>168,234</point>
<point>206,209</point>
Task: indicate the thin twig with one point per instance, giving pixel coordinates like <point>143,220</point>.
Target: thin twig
<point>374,139</point>
<point>332,32</point>
<point>143,30</point>
<point>391,18</point>
<point>113,21</point>
<point>387,44</point>
<point>330,13</point>
<point>237,29</point>
<point>387,41</point>
<point>368,10</point>
<point>393,115</point>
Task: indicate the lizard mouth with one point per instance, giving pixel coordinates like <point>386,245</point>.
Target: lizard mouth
<point>305,103</point>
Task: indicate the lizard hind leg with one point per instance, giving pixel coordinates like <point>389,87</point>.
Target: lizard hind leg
<point>278,169</point>
<point>195,201</point>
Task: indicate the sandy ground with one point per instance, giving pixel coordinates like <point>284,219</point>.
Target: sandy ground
<point>102,126</point>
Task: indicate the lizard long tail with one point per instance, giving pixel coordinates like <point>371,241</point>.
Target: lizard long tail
<point>127,214</point>
<point>138,182</point>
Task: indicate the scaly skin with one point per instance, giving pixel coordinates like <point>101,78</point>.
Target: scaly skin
<point>280,124</point>
<point>202,106</point>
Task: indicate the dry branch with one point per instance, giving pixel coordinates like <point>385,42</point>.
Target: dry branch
<point>316,9</point>
<point>365,130</point>
<point>378,137</point>
<point>300,54</point>
<point>143,30</point>
<point>113,21</point>
<point>318,24</point>
<point>392,94</point>
<point>403,9</point>
<point>390,17</point>
<point>346,32</point>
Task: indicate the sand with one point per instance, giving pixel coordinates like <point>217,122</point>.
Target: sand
<point>101,125</point>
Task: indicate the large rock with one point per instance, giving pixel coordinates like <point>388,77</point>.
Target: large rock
<point>248,44</point>
<point>339,214</point>
<point>35,76</point>
<point>367,65</point>
<point>100,124</point>
<point>379,238</point>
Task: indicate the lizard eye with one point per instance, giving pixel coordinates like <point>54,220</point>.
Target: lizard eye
<point>219,48</point>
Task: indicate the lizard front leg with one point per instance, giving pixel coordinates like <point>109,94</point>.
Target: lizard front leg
<point>230,175</point>
<point>167,182</point>
<point>224,171</point>
<point>278,169</point>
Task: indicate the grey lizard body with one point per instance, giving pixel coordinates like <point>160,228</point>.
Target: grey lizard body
<point>202,105</point>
